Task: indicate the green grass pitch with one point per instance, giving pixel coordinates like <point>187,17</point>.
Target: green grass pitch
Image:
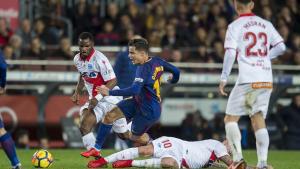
<point>70,159</point>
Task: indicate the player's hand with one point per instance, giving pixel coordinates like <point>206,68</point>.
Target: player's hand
<point>75,98</point>
<point>103,90</point>
<point>93,103</point>
<point>221,88</point>
<point>170,77</point>
<point>2,90</point>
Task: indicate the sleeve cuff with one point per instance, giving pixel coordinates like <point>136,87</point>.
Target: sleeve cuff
<point>98,97</point>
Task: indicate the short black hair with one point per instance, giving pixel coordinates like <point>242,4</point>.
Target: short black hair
<point>86,35</point>
<point>245,2</point>
<point>140,44</point>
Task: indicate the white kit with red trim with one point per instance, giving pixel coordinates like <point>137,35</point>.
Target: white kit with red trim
<point>95,70</point>
<point>252,37</point>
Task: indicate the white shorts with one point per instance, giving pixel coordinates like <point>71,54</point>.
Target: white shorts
<point>245,100</point>
<point>104,106</point>
<point>168,147</point>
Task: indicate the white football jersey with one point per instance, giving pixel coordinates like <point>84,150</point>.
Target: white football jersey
<point>196,154</point>
<point>252,37</point>
<point>201,154</point>
<point>95,70</point>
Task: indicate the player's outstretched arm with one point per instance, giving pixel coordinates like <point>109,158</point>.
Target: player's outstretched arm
<point>78,90</point>
<point>134,89</point>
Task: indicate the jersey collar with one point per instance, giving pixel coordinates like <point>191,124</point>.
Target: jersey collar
<point>90,55</point>
<point>247,14</point>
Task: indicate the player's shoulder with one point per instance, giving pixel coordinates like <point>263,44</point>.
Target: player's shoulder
<point>211,142</point>
<point>99,55</point>
<point>76,57</point>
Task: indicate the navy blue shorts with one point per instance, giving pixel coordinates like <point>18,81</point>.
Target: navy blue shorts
<point>141,121</point>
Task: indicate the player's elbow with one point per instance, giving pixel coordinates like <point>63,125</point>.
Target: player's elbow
<point>176,76</point>
<point>282,47</point>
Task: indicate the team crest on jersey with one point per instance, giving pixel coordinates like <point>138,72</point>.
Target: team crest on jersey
<point>90,66</point>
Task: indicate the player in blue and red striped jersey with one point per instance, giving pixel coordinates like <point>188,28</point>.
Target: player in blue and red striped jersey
<point>6,141</point>
<point>144,108</point>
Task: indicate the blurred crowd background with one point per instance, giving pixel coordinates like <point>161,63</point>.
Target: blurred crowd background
<point>185,30</point>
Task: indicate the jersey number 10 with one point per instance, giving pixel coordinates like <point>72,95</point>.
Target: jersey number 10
<point>262,51</point>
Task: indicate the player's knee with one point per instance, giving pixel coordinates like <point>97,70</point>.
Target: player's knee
<point>85,128</point>
<point>169,162</point>
<point>112,116</point>
<point>258,121</point>
<point>2,131</point>
<point>123,136</point>
<point>230,118</point>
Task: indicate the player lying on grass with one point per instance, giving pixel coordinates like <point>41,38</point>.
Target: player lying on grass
<point>170,152</point>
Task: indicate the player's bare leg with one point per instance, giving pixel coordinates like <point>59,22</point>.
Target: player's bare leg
<point>262,139</point>
<point>88,121</point>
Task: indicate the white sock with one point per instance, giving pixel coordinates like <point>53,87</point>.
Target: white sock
<point>262,145</point>
<point>89,140</point>
<point>149,163</point>
<point>127,154</point>
<point>234,138</point>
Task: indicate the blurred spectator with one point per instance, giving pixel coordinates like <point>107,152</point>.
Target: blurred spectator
<point>22,139</point>
<point>15,42</point>
<point>290,116</point>
<point>188,129</point>
<point>64,51</point>
<point>36,50</point>
<point>125,24</point>
<point>44,143</point>
<point>113,14</point>
<point>200,37</point>
<point>8,52</point>
<point>107,37</point>
<point>124,68</point>
<point>26,33</point>
<point>136,18</point>
<point>170,40</point>
<point>5,32</point>
<point>176,56</point>
<point>267,14</point>
<point>218,52</point>
<point>47,37</point>
<point>285,33</point>
<point>295,42</point>
<point>296,57</point>
<point>95,20</point>
<point>79,16</point>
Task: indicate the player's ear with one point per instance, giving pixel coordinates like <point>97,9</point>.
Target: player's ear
<point>251,5</point>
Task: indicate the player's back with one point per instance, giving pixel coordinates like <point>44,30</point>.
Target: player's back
<point>151,71</point>
<point>252,37</point>
<point>203,153</point>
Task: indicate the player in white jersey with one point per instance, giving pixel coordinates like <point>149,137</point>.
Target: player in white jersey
<point>170,152</point>
<point>254,42</point>
<point>95,70</point>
